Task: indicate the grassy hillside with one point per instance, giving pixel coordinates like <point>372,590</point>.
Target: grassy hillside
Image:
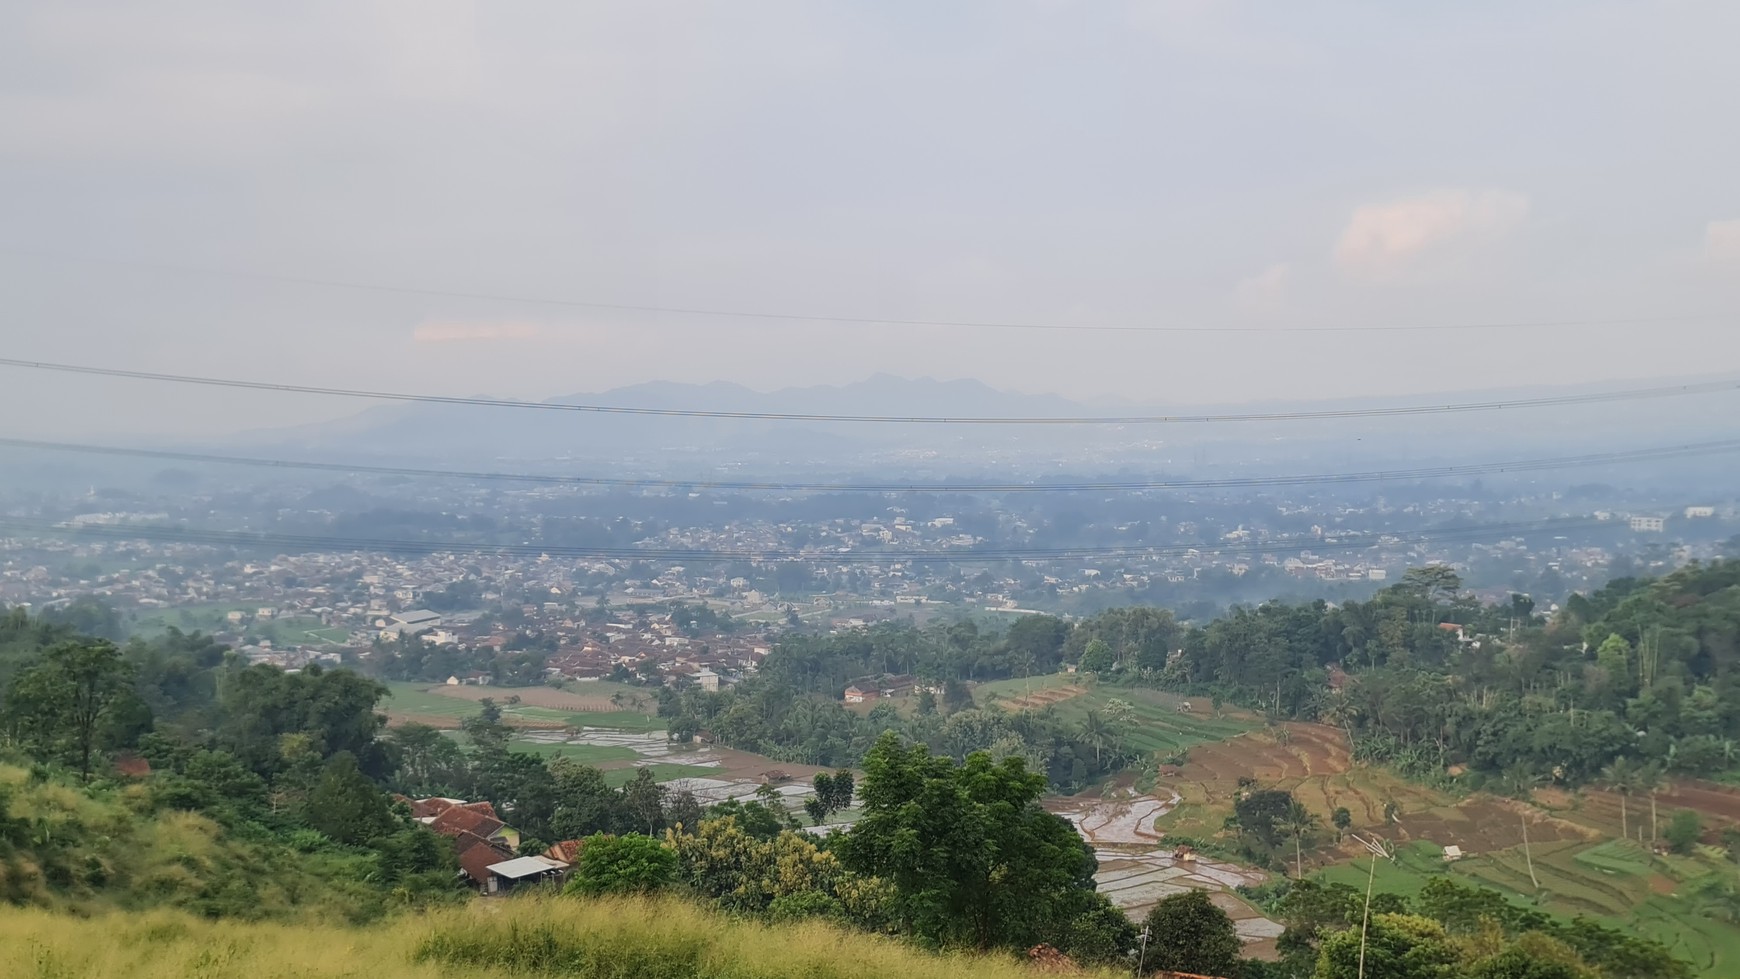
<point>107,848</point>
<point>591,939</point>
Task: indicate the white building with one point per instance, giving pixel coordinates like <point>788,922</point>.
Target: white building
<point>1648,524</point>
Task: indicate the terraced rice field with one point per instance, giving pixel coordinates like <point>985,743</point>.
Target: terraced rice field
<point>1617,882</point>
<point>1161,727</point>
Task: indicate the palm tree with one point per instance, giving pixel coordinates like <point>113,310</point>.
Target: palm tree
<point>1094,732</point>
<point>1621,777</point>
<point>1652,779</point>
<point>1297,822</point>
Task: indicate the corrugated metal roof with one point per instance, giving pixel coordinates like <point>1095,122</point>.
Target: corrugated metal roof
<point>525,867</point>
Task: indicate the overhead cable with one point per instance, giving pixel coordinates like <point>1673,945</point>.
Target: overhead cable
<point>1656,453</point>
<point>1630,394</point>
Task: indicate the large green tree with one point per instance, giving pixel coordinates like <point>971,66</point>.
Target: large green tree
<point>1189,933</point>
<point>622,865</point>
<point>346,806</point>
<point>62,705</point>
<point>973,859</point>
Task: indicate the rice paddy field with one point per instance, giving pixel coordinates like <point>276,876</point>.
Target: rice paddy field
<point>1617,882</point>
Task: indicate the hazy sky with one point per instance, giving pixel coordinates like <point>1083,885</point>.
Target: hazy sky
<point>1132,164</point>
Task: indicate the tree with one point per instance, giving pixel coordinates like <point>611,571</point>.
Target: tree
<point>817,809</point>
<point>844,789</point>
<point>1684,830</point>
<point>64,702</point>
<point>631,864</point>
<point>1096,658</point>
<point>346,806</point>
<point>643,799</point>
<point>972,858</point>
<point>1262,816</point>
<point>1297,823</point>
<point>585,803</point>
<point>684,811</point>
<point>1188,933</point>
<point>1652,778</point>
<point>1393,946</point>
<point>1621,777</point>
<point>1341,819</point>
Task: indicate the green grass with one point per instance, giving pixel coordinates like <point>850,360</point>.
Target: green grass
<point>1415,864</point>
<point>525,936</point>
<point>414,698</point>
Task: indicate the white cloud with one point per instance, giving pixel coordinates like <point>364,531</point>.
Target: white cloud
<point>1267,284</point>
<point>463,332</point>
<point>1722,243</point>
<point>1386,236</point>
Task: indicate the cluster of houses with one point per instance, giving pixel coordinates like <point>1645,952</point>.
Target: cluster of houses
<point>869,689</point>
<point>485,846</point>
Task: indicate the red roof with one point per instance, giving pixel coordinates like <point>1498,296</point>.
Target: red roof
<point>424,808</point>
<point>567,851</point>
<point>477,858</point>
<point>460,819</point>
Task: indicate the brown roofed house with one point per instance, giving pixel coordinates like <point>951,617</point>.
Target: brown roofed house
<point>461,819</point>
<point>477,855</point>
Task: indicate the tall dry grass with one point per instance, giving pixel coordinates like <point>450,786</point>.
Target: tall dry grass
<point>591,939</point>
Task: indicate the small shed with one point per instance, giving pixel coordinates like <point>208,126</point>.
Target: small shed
<point>509,874</point>
<point>1452,853</point>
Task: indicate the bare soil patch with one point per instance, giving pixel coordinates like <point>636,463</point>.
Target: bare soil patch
<point>1482,824</point>
<point>1045,698</point>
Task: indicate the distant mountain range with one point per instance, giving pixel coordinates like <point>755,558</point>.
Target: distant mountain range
<point>472,433</point>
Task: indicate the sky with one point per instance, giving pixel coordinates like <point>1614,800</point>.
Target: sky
<point>178,179</point>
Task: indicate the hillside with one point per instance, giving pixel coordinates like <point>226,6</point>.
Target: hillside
<point>129,847</point>
<point>667,939</point>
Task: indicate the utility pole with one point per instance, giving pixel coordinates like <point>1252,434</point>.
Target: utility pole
<point>1365,919</point>
<point>1142,960</point>
<point>1527,855</point>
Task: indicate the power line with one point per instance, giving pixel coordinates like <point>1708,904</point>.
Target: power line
<point>1351,541</point>
<point>1631,394</point>
<point>842,320</point>
<point>1233,482</point>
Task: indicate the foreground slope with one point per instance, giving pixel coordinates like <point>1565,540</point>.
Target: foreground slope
<point>668,939</point>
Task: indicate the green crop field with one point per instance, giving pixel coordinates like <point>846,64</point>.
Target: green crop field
<point>616,720</point>
<point>414,698</point>
<point>418,700</point>
<point>1160,727</point>
<point>1415,863</point>
<point>1617,883</point>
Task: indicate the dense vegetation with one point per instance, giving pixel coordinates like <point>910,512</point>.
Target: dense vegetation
<point>1635,682</point>
<point>269,792</point>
